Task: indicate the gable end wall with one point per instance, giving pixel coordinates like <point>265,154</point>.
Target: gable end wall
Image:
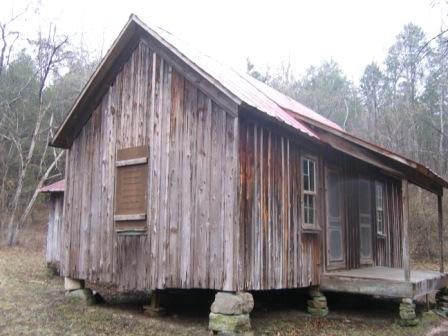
<point>191,240</point>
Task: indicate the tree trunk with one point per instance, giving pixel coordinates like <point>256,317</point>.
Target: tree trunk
<point>21,222</point>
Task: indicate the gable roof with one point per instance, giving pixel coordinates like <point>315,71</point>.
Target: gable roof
<point>232,90</point>
<point>55,187</point>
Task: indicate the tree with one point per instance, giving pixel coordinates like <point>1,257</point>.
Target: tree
<point>435,101</point>
<point>49,57</point>
<point>326,90</point>
<point>37,86</point>
<point>372,92</point>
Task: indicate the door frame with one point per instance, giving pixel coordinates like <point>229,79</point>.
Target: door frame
<point>340,264</point>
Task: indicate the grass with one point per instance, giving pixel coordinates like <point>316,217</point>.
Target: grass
<point>31,303</point>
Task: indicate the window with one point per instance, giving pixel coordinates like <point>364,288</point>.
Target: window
<point>365,221</point>
<point>379,201</point>
<point>131,189</point>
<point>309,192</point>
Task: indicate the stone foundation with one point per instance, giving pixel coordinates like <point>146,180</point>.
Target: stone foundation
<point>154,309</point>
<point>75,291</point>
<point>408,318</point>
<point>317,305</point>
<point>230,314</point>
<point>73,284</point>
<point>442,301</point>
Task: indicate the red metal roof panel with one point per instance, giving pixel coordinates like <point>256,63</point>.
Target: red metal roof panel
<point>58,186</point>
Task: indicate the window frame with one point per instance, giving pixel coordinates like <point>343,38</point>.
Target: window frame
<point>380,233</point>
<point>316,225</point>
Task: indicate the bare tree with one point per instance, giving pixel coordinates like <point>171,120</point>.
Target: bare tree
<point>50,55</point>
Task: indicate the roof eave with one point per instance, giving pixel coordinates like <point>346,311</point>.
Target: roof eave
<point>415,166</point>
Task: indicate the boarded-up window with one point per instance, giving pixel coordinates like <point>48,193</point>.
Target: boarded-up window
<point>131,189</point>
<point>309,192</point>
<point>365,221</point>
<point>379,203</point>
<point>335,233</point>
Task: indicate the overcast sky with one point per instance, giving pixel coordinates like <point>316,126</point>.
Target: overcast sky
<point>352,32</point>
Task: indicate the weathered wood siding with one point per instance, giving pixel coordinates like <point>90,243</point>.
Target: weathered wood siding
<point>206,228</point>
<point>277,252</point>
<point>191,240</point>
<point>54,234</point>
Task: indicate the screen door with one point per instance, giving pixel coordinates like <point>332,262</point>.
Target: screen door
<point>335,227</point>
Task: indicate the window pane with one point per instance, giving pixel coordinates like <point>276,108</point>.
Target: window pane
<point>380,221</point>
<point>305,214</point>
<point>309,208</point>
<point>306,183</point>
<point>379,207</point>
<point>336,253</point>
<point>312,174</point>
<point>306,179</point>
<point>305,167</point>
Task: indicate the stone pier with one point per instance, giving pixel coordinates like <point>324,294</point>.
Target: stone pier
<point>75,291</point>
<point>317,304</point>
<point>155,309</point>
<point>230,314</point>
<point>442,301</point>
<point>408,318</point>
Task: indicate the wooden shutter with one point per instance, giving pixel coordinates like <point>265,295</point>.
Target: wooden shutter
<point>131,189</point>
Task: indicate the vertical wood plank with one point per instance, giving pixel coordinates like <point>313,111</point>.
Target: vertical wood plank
<point>405,218</point>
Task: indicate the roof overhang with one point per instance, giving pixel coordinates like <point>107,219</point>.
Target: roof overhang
<point>386,160</point>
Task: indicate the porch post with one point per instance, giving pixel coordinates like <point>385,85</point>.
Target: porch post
<point>405,243</point>
<point>440,222</point>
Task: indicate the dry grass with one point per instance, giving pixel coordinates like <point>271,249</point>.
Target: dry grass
<point>31,303</point>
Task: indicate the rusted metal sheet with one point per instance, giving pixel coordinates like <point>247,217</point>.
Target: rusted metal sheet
<point>58,186</point>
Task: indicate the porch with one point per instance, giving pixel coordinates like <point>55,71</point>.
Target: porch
<point>383,281</point>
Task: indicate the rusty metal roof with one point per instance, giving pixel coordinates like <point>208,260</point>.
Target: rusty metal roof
<point>249,90</point>
<point>58,186</point>
<point>241,89</point>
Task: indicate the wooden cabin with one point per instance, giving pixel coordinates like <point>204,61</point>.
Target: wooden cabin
<point>56,192</point>
<point>183,173</point>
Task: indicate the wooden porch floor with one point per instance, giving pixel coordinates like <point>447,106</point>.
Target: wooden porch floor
<point>383,281</point>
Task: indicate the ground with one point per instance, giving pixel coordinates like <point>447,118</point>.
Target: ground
<point>33,303</point>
